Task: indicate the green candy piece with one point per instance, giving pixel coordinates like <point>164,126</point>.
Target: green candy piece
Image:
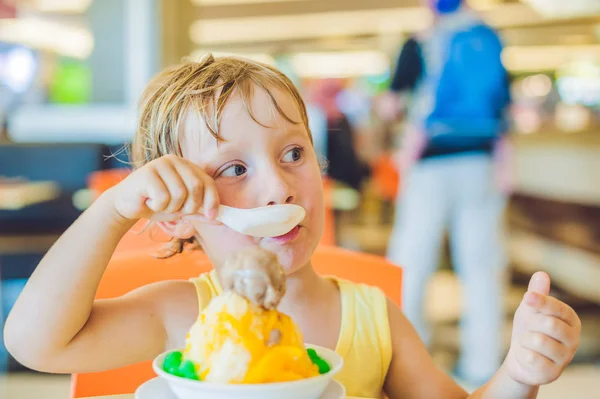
<point>324,367</point>
<point>187,370</point>
<point>312,354</point>
<point>317,360</point>
<point>172,362</point>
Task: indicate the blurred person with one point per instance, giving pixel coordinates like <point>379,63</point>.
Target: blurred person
<point>409,69</point>
<point>453,141</point>
<point>343,163</point>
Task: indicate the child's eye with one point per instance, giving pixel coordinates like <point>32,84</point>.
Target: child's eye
<point>294,155</point>
<point>236,170</point>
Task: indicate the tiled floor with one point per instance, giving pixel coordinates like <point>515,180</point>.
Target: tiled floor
<point>578,382</point>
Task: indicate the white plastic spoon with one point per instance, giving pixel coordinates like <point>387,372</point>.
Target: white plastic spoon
<point>266,221</point>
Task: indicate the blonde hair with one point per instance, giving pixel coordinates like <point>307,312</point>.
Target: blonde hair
<point>206,87</point>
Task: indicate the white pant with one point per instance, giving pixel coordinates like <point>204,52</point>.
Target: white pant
<point>456,193</point>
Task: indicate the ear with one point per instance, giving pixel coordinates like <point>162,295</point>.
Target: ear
<point>179,229</point>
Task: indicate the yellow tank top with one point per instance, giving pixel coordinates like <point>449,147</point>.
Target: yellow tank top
<point>364,341</point>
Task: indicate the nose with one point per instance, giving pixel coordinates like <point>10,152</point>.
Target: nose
<point>279,189</point>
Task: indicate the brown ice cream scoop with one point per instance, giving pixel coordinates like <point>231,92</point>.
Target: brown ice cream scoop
<point>255,274</point>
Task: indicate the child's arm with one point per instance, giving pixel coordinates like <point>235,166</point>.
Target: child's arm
<point>56,325</point>
<point>412,373</point>
<point>545,337</point>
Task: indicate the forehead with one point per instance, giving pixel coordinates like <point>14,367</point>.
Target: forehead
<point>244,118</point>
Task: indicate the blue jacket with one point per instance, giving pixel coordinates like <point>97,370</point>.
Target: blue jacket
<point>463,90</point>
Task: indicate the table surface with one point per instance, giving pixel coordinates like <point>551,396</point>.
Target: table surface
<point>15,194</point>
<point>113,397</point>
<point>132,397</point>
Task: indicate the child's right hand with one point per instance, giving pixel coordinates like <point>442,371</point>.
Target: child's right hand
<point>165,190</point>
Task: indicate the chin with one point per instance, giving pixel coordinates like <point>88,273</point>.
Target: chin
<point>291,266</point>
<point>293,256</point>
<point>292,261</point>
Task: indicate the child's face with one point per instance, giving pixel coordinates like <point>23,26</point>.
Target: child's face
<point>258,166</point>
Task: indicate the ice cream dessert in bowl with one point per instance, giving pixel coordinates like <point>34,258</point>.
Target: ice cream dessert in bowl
<point>241,346</point>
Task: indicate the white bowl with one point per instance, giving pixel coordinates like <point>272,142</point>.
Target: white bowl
<point>158,388</point>
<point>310,388</point>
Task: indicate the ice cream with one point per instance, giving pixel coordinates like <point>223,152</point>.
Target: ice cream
<point>235,341</point>
<point>240,337</point>
<point>255,274</point>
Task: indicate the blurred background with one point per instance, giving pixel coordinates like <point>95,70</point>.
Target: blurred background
<point>71,72</point>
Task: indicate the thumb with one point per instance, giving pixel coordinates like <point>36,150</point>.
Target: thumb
<point>539,283</point>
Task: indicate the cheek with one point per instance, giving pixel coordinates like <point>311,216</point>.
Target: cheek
<point>244,194</point>
<point>312,194</point>
<point>232,194</point>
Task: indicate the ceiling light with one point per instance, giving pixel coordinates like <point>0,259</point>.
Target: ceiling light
<point>546,58</point>
<point>565,8</point>
<point>42,34</point>
<point>315,25</point>
<point>319,25</point>
<point>54,6</point>
<point>230,2</point>
<point>340,64</point>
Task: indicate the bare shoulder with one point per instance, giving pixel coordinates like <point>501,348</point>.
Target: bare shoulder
<point>401,329</point>
<point>165,292</point>
<point>176,303</point>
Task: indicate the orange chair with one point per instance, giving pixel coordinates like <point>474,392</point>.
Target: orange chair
<point>102,180</point>
<point>133,269</point>
<point>141,237</point>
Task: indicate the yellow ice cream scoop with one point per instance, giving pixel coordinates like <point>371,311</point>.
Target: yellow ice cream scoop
<point>235,341</point>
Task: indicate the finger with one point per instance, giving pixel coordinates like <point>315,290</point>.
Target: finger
<point>545,346</point>
<point>201,219</point>
<point>157,193</point>
<point>551,306</point>
<point>553,327</point>
<point>211,198</point>
<point>532,360</point>
<point>195,188</point>
<point>176,186</point>
<point>211,202</point>
<point>165,217</point>
<point>539,283</point>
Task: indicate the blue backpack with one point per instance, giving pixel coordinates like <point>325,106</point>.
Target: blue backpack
<point>473,90</point>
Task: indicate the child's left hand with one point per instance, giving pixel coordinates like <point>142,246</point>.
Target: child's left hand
<point>545,336</point>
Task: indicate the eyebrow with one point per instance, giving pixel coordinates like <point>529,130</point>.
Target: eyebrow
<point>219,150</point>
<point>222,144</point>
